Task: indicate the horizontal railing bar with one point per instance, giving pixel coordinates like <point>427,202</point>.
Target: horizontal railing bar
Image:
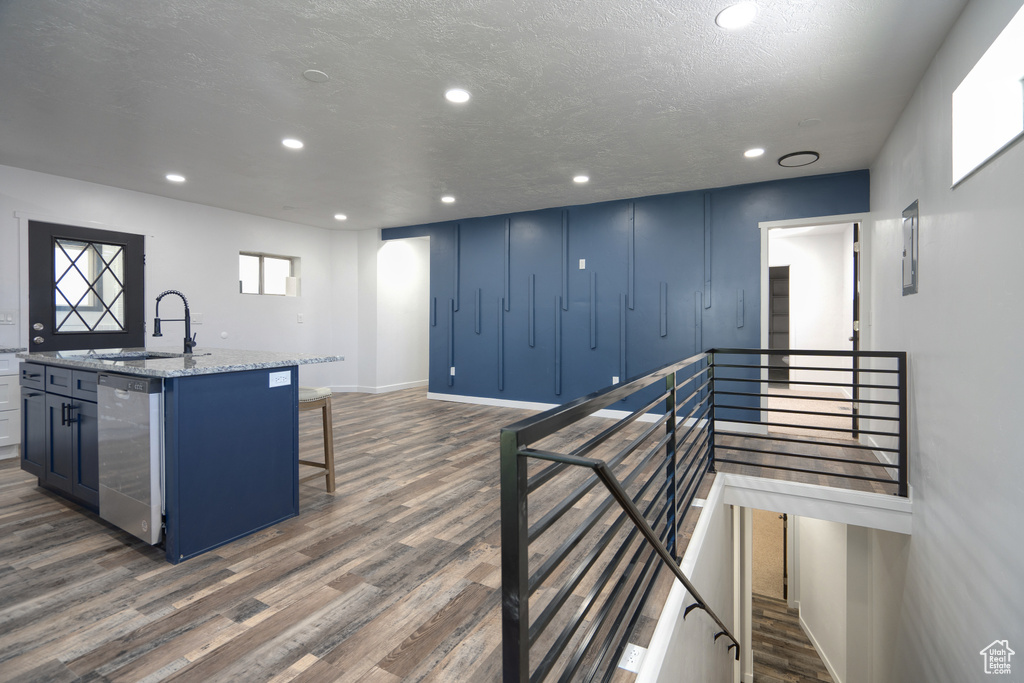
<point>581,570</point>
<point>823,429</point>
<point>646,578</point>
<point>567,503</point>
<point>538,577</point>
<point>537,427</point>
<point>806,398</point>
<point>588,601</point>
<point>806,352</point>
<point>849,416</point>
<point>616,490</point>
<point>807,456</point>
<point>771,437</point>
<point>584,488</point>
<point>804,367</point>
<point>541,477</point>
<point>808,383</point>
<point>799,469</point>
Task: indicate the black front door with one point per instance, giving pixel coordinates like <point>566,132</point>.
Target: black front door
<point>86,288</point>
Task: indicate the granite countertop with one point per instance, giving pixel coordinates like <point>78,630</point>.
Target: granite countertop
<point>173,364</point>
<point>12,349</point>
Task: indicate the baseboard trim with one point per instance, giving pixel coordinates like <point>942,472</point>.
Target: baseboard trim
<point>531,405</point>
<point>817,648</point>
<point>359,389</point>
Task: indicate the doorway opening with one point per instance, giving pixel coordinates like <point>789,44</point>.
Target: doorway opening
<point>810,274</point>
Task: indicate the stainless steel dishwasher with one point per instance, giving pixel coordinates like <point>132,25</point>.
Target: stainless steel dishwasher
<point>131,453</point>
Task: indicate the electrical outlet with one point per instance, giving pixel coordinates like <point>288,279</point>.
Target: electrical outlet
<point>632,658</point>
<point>280,379</point>
<point>615,379</point>
<point>583,264</point>
<point>452,371</point>
<point>300,318</point>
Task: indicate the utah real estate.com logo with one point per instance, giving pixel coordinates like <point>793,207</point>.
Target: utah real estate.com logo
<point>997,657</point>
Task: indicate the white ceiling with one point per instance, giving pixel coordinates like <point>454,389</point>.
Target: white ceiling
<point>645,96</point>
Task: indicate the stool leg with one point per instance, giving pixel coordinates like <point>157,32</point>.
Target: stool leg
<point>329,445</point>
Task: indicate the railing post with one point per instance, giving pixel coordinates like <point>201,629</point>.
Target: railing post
<point>670,463</point>
<point>711,412</point>
<point>515,576</point>
<point>904,446</point>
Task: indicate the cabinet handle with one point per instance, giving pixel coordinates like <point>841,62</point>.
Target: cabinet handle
<point>63,414</point>
<point>71,418</point>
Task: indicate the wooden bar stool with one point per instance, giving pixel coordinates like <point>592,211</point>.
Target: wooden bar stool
<point>311,398</point>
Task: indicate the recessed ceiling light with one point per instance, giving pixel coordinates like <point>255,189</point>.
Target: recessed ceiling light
<point>755,152</point>
<point>798,159</point>
<point>292,143</point>
<point>175,177</point>
<point>457,95</point>
<point>737,16</point>
<point>340,217</point>
<point>581,179</point>
<point>448,199</point>
<point>315,75</point>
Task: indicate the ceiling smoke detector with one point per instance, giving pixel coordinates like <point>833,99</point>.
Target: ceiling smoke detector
<point>315,76</point>
<point>794,159</point>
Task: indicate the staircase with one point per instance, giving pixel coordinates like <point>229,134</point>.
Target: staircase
<point>782,652</point>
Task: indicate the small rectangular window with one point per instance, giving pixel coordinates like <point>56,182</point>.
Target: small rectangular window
<point>265,274</point>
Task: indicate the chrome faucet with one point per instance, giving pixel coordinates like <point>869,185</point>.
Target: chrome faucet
<point>190,339</point>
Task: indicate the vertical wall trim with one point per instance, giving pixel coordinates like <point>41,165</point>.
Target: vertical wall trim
<point>698,314</point>
<point>593,309</point>
<point>565,261</point>
<point>531,308</point>
<point>558,345</point>
<point>479,293</point>
<point>507,262</point>
<point>451,342</point>
<point>622,337</point>
<point>433,312</point>
<point>739,308</point>
<point>664,309</point>
<point>707,250</point>
<point>458,263</point>
<point>501,344</point>
<point>631,249</point>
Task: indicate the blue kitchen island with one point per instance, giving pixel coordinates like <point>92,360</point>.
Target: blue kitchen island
<point>228,436</point>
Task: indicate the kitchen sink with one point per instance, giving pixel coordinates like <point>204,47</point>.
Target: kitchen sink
<point>134,355</point>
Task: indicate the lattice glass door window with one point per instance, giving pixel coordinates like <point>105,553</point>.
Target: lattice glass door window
<point>88,286</point>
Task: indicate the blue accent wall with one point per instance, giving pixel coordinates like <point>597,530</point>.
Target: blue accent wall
<point>665,276</point>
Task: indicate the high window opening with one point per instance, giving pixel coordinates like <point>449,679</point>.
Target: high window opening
<point>265,274</point>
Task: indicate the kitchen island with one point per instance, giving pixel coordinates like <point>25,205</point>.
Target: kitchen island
<point>227,435</point>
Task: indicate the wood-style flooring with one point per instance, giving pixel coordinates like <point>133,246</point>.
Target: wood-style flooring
<point>782,652</point>
<point>395,577</point>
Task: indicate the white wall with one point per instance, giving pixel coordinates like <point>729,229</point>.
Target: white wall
<point>821,554</point>
<point>963,333</point>
<point>194,248</point>
<point>686,650</point>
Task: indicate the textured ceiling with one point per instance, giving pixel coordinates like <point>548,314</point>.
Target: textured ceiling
<point>645,96</point>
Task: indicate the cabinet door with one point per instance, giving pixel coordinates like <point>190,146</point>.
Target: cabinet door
<point>33,429</point>
<point>60,443</point>
<point>86,482</point>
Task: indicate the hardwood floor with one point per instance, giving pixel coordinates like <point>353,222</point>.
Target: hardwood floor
<point>782,652</point>
<point>395,577</point>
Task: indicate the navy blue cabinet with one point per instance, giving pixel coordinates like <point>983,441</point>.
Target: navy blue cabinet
<point>33,431</point>
<point>59,431</point>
